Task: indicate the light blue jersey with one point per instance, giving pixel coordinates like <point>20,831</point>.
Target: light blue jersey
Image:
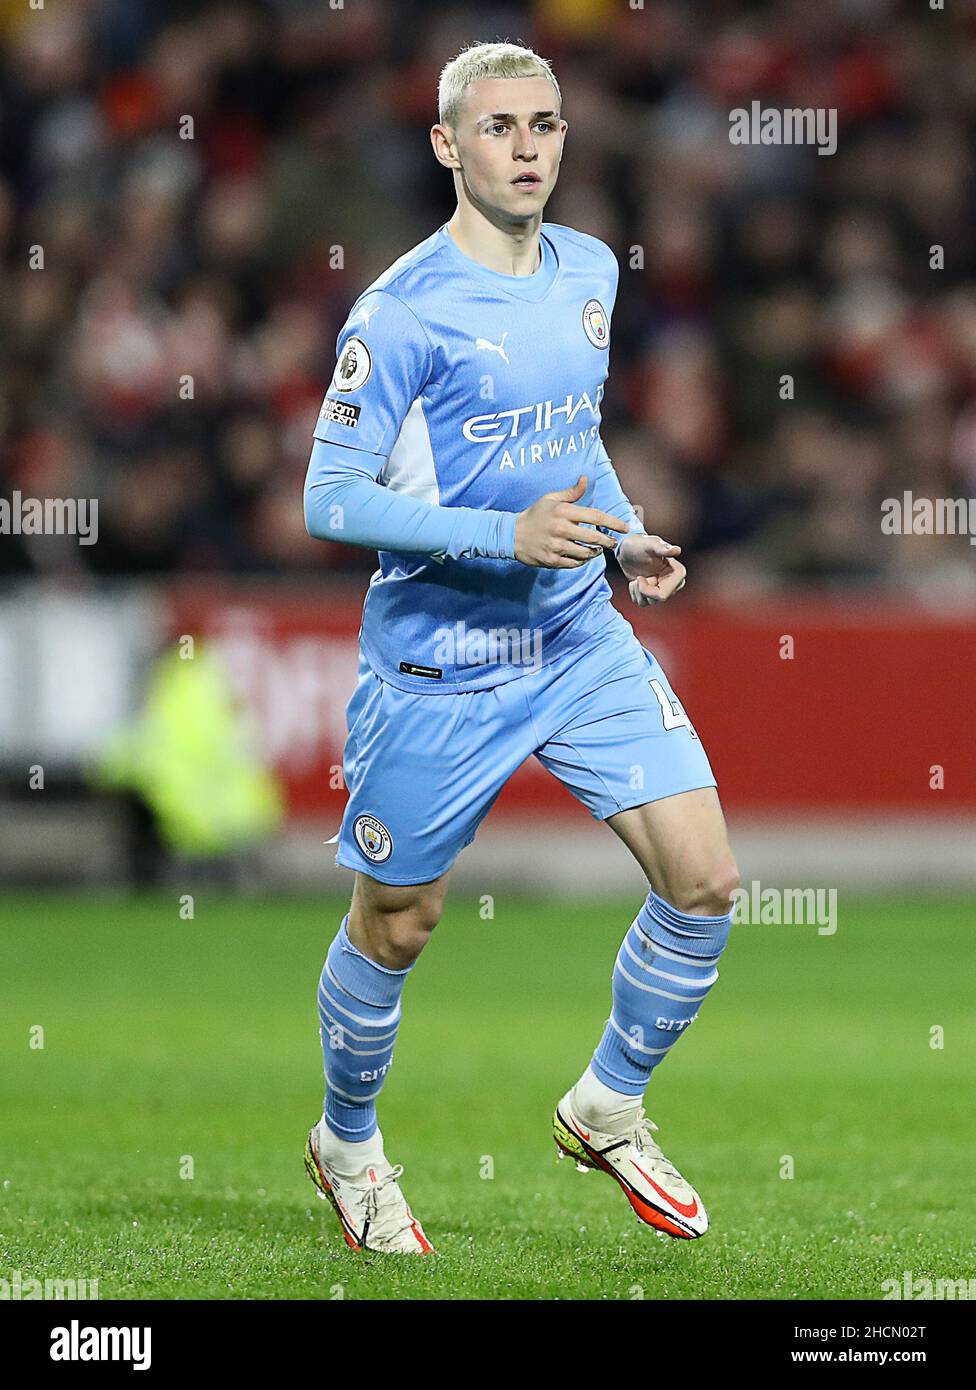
<point>460,397</point>
<point>473,393</point>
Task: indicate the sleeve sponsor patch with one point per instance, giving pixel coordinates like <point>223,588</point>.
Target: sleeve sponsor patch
<point>354,366</point>
<point>340,412</point>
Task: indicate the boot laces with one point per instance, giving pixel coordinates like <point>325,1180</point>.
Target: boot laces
<point>640,1136</point>
<point>386,1195</point>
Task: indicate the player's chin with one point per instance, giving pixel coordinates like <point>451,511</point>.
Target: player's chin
<point>527,201</point>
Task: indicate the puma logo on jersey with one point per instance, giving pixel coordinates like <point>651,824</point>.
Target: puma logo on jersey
<point>499,347</point>
<point>367,314</point>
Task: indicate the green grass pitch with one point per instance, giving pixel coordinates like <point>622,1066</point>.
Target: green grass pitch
<point>166,1038</point>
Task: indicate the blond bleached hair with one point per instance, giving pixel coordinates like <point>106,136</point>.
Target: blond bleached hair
<point>482,60</point>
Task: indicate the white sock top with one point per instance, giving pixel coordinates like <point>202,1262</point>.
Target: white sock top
<point>599,1106</point>
<point>347,1158</point>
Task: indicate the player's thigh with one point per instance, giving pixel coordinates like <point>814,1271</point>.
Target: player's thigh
<point>627,750</point>
<point>371,897</point>
<point>422,771</point>
<point>682,844</point>
<point>615,734</point>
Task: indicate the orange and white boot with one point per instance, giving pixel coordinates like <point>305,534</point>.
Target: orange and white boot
<point>372,1210</point>
<point>655,1189</point>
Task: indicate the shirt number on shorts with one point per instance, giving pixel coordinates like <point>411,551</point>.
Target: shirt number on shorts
<point>674,715</point>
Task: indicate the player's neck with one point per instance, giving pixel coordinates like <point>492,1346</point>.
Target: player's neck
<point>509,250</point>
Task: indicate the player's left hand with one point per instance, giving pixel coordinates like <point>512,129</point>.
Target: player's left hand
<point>651,565</point>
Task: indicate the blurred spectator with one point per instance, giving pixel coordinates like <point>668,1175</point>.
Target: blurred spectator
<point>171,355</point>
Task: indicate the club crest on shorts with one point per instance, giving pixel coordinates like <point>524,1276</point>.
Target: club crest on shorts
<point>595,324</point>
<point>373,838</point>
<point>354,366</point>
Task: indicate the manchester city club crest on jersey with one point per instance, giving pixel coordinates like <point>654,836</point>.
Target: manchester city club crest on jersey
<point>596,325</point>
<point>373,838</point>
<point>354,366</point>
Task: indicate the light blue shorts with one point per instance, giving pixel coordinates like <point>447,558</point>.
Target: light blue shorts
<point>423,771</point>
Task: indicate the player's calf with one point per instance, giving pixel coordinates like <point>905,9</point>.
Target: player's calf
<point>359,1001</point>
<point>359,1016</point>
<point>665,968</point>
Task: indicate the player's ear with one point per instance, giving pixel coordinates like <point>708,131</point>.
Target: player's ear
<point>563,127</point>
<point>445,150</point>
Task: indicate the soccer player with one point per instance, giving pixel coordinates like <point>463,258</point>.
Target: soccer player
<point>461,439</point>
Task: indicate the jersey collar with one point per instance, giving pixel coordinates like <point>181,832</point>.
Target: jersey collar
<point>532,288</point>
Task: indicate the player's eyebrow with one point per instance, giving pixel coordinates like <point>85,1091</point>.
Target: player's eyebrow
<point>511,116</point>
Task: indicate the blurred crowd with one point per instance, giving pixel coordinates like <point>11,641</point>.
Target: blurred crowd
<point>788,349</point>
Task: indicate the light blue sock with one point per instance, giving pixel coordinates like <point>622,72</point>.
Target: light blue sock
<point>359,1014</point>
<point>663,971</point>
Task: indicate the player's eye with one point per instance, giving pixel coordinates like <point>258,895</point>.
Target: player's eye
<point>498,126</point>
<point>544,125</point>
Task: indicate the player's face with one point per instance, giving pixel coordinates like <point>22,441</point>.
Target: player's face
<point>509,139</point>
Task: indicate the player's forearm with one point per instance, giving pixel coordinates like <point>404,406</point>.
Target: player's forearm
<point>344,502</point>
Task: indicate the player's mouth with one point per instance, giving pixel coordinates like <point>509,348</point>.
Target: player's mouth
<point>527,181</point>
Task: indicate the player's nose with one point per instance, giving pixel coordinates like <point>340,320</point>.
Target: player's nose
<point>525,144</point>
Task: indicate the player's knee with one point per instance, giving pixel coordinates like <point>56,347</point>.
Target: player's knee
<point>722,886</point>
<point>396,939</point>
<point>408,930</point>
<point>396,923</point>
<point>709,894</point>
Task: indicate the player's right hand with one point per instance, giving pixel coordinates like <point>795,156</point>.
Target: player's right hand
<point>550,533</point>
